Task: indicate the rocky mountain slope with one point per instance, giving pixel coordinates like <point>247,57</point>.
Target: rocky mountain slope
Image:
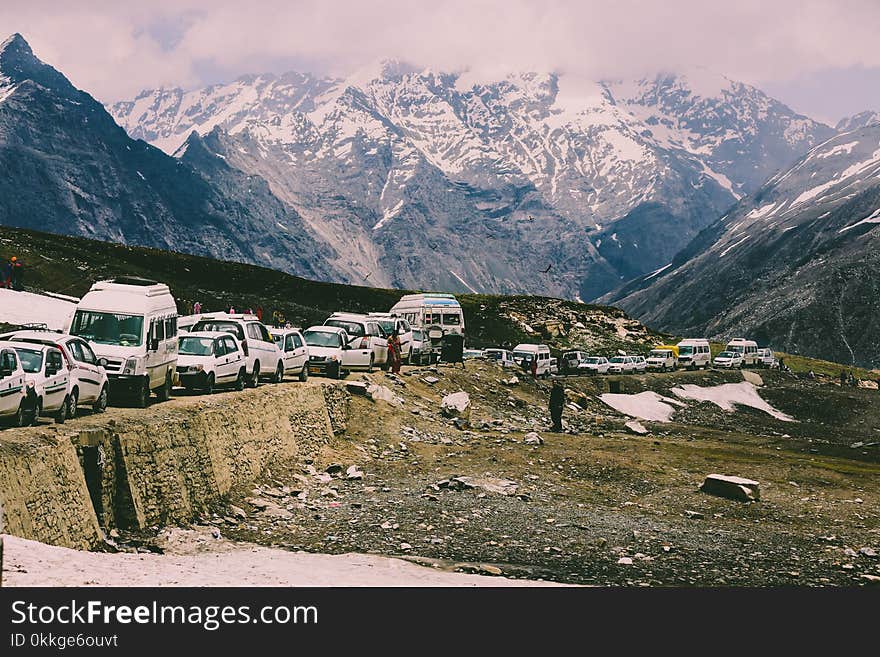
<point>69,168</point>
<point>795,265</point>
<point>425,179</point>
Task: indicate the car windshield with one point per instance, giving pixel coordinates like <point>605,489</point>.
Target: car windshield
<point>735,347</point>
<point>216,326</point>
<point>571,355</point>
<point>493,354</point>
<point>594,361</point>
<point>727,354</point>
<point>658,354</point>
<point>322,339</point>
<point>387,325</point>
<point>31,360</point>
<point>354,329</point>
<point>525,355</point>
<point>190,346</point>
<point>618,359</point>
<point>417,335</point>
<point>685,350</point>
<point>108,328</point>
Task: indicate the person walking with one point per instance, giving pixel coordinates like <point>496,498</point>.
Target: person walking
<point>557,403</point>
<point>197,308</point>
<point>394,352</point>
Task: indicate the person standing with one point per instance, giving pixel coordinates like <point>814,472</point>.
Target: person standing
<point>17,277</point>
<point>197,308</point>
<point>557,403</point>
<point>534,366</point>
<point>6,274</point>
<point>394,352</point>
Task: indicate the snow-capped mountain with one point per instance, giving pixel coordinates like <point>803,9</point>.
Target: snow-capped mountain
<point>421,179</point>
<point>859,120</point>
<point>794,265</point>
<point>69,168</point>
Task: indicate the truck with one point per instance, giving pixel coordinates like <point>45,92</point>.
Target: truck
<point>663,358</point>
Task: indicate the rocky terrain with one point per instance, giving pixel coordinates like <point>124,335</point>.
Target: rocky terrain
<point>792,266</point>
<point>484,488</point>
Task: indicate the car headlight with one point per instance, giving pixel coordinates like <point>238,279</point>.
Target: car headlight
<point>130,366</point>
<point>196,368</point>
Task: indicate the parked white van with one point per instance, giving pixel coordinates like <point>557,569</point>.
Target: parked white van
<point>13,403</point>
<point>524,354</point>
<point>131,323</point>
<point>748,349</point>
<point>262,355</point>
<point>694,353</point>
<point>47,380</point>
<point>436,314</point>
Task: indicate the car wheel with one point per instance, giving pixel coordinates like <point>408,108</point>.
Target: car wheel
<point>61,413</point>
<point>370,366</point>
<point>304,375</point>
<point>34,420</point>
<point>73,404</point>
<point>142,397</point>
<point>209,384</point>
<point>239,381</point>
<point>18,420</point>
<point>164,393</point>
<point>100,404</point>
<point>279,373</point>
<point>255,376</point>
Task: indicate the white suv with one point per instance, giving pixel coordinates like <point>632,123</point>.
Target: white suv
<point>206,359</point>
<point>295,352</point>
<point>13,402</point>
<point>331,353</point>
<point>364,333</point>
<point>262,354</point>
<point>47,380</point>
<point>89,384</point>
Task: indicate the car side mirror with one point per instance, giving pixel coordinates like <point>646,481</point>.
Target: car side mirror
<point>102,362</point>
<point>5,372</point>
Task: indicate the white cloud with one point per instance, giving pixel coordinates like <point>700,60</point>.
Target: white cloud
<point>114,49</point>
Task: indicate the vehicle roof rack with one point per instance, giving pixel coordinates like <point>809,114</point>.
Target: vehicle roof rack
<point>133,280</point>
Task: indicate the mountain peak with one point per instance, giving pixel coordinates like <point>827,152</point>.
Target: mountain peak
<point>16,52</point>
<point>18,62</point>
<point>16,43</point>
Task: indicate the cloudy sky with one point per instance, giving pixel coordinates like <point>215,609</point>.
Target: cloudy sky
<point>818,56</point>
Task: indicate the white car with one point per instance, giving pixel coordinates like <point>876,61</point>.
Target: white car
<point>728,359</point>
<point>47,381</point>
<point>421,352</point>
<point>295,352</point>
<point>207,359</point>
<point>501,356</point>
<point>469,354</point>
<point>594,365</point>
<point>331,352</point>
<point>389,323</point>
<point>262,354</point>
<point>364,332</point>
<point>89,383</point>
<point>766,358</point>
<point>639,364</point>
<point>622,365</point>
<point>13,400</point>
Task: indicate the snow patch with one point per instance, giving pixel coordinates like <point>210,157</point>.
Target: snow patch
<point>646,405</point>
<point>726,395</point>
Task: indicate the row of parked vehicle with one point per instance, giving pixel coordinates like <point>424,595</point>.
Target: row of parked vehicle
<point>125,340</point>
<point>687,354</point>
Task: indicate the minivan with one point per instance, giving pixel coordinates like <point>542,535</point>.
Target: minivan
<point>694,353</point>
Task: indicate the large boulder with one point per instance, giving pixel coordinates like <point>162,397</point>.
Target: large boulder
<point>377,393</point>
<point>733,488</point>
<point>457,404</point>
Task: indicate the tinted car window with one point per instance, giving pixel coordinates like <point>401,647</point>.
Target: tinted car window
<point>297,341</point>
<point>226,327</point>
<point>231,347</point>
